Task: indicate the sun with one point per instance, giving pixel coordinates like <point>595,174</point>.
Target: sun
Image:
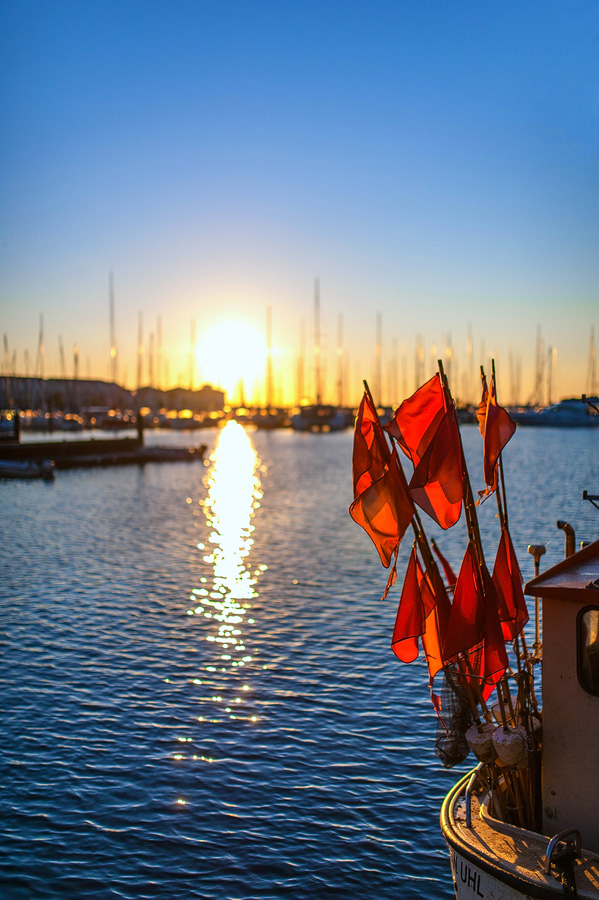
<point>232,352</point>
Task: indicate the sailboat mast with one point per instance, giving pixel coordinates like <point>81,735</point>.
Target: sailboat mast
<point>140,349</point>
<point>301,360</point>
<point>269,357</point>
<point>340,362</point>
<point>378,360</point>
<point>317,360</point>
<point>113,356</point>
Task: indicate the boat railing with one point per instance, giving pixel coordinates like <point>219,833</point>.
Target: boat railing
<point>555,852</point>
<point>477,773</point>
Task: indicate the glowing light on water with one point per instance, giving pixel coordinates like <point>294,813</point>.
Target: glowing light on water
<point>233,496</point>
<point>233,491</point>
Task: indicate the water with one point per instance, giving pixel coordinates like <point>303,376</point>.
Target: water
<point>199,697</point>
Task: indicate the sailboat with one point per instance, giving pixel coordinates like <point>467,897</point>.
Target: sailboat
<point>524,822</point>
<point>319,416</point>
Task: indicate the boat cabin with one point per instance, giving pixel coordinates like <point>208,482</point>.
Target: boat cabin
<point>569,593</point>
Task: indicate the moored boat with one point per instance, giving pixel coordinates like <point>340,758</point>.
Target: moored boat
<point>525,822</point>
<point>321,417</point>
<point>570,413</point>
<point>27,469</point>
<point>558,854</point>
<point>93,453</point>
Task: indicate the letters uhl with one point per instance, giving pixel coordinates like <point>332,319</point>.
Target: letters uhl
<point>471,879</point>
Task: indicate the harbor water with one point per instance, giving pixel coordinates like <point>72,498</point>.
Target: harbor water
<point>199,698</point>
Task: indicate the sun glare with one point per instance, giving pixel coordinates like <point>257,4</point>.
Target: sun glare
<point>230,353</point>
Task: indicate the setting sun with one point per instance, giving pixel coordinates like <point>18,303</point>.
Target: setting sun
<point>233,352</point>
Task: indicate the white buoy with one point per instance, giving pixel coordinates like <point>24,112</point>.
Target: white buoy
<point>496,710</point>
<point>481,742</point>
<point>511,745</point>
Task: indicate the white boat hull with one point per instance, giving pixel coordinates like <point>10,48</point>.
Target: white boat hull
<point>496,861</point>
<point>470,881</point>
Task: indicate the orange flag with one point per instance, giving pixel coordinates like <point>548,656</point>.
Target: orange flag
<point>437,483</point>
<point>507,578</point>
<point>481,411</point>
<point>382,505</point>
<point>417,419</point>
<point>474,628</point>
<point>497,428</point>
<point>426,429</point>
<point>421,614</point>
<point>449,573</point>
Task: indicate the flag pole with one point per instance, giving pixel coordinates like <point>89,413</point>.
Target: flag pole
<point>468,497</point>
<point>419,532</point>
<point>501,502</point>
<point>473,691</point>
<point>471,520</point>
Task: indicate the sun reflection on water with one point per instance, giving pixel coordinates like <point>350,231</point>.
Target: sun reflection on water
<point>233,496</point>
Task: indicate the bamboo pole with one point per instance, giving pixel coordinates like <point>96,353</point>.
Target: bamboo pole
<point>432,572</point>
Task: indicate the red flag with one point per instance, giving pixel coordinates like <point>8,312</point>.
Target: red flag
<point>497,431</point>
<point>507,578</point>
<point>481,412</point>
<point>496,660</point>
<point>426,429</point>
<point>474,628</point>
<point>409,622</point>
<point>437,483</point>
<point>382,505</point>
<point>417,419</point>
<point>449,573</point>
<point>422,613</point>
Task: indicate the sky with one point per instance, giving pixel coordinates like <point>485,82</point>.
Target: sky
<point>433,163</point>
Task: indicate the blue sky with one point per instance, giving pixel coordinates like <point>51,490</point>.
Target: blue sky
<point>433,162</point>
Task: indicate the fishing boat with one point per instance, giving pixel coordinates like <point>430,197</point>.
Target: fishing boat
<point>524,823</point>
<point>556,854</point>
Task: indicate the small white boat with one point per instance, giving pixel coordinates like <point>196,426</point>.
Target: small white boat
<point>14,468</point>
<point>572,413</point>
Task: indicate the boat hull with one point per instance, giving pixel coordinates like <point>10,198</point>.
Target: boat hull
<point>471,880</point>
<point>490,859</point>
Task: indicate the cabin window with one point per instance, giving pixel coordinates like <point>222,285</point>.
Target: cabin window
<point>588,649</point>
